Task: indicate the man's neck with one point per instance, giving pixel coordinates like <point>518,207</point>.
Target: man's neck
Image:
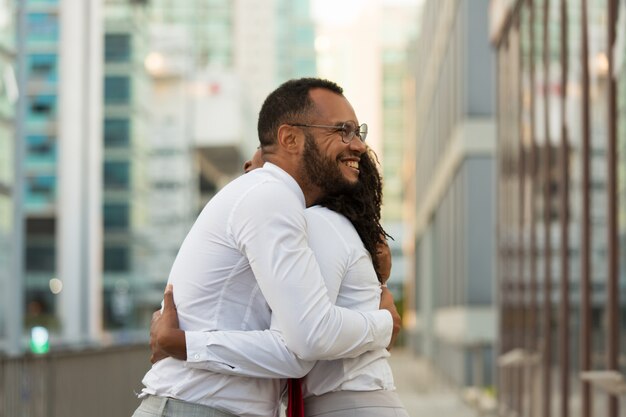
<point>312,196</point>
<point>312,193</point>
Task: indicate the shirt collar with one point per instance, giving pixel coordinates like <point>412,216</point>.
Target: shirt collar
<point>281,174</point>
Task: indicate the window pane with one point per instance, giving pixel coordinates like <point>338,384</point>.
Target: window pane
<point>116,90</point>
<point>116,133</point>
<point>41,148</point>
<point>42,108</point>
<point>116,216</point>
<point>116,259</point>
<point>40,257</point>
<point>42,27</point>
<point>116,175</point>
<point>117,48</point>
<point>40,191</point>
<point>42,67</point>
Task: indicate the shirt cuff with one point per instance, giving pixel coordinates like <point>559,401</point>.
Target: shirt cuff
<point>197,343</point>
<point>382,327</point>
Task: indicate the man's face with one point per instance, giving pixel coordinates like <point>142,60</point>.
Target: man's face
<point>322,171</point>
<point>328,162</point>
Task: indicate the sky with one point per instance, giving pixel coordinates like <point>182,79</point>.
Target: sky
<point>348,45</point>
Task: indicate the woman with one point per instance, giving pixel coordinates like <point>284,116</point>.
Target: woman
<point>345,234</point>
<point>339,387</point>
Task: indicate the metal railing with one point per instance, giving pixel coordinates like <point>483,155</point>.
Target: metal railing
<point>89,382</point>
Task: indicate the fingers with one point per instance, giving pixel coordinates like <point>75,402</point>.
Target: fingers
<point>386,299</point>
<point>383,261</point>
<point>168,298</point>
<point>387,303</point>
<point>156,315</point>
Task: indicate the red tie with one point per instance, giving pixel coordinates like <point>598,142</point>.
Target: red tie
<point>295,402</point>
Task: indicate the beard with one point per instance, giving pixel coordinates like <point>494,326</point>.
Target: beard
<point>321,171</point>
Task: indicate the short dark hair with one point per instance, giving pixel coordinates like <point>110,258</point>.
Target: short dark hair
<point>289,102</point>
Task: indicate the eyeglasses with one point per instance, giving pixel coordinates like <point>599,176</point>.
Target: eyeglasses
<point>347,130</point>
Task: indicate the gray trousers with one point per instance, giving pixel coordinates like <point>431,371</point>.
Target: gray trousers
<point>153,406</point>
<point>355,404</point>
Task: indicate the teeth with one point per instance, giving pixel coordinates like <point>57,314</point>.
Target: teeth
<point>353,164</point>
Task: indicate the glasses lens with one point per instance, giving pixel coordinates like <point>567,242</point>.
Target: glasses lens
<point>363,132</point>
<point>347,131</point>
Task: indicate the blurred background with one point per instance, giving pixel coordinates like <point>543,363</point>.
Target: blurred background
<point>501,131</point>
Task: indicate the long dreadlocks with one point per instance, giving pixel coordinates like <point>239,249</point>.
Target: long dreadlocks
<point>362,205</point>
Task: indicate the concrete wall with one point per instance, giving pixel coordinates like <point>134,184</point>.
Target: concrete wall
<point>93,382</point>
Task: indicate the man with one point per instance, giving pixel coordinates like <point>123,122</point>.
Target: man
<point>348,241</point>
<point>247,256</point>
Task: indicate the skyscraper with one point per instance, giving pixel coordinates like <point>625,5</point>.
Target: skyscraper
<point>10,259</point>
<point>207,67</point>
<point>397,30</point>
<point>62,174</point>
<point>125,128</point>
<point>450,284</point>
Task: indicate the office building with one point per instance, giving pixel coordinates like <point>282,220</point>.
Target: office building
<point>449,174</point>
<point>397,29</point>
<point>126,118</point>
<point>561,280</point>
<point>10,266</point>
<point>61,170</point>
<point>210,65</point>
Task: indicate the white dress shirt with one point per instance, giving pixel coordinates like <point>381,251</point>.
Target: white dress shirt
<point>337,247</point>
<point>256,227</point>
<point>352,283</point>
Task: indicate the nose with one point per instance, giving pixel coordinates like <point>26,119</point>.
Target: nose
<point>357,145</point>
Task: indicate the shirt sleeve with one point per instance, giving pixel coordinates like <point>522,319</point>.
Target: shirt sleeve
<point>255,353</point>
<point>269,227</point>
<point>263,354</point>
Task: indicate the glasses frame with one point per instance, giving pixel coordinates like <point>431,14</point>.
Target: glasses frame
<point>360,131</point>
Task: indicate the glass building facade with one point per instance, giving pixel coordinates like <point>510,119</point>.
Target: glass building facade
<point>8,97</point>
<point>126,92</point>
<point>561,270</point>
<point>449,175</point>
<point>41,134</point>
<point>210,23</point>
<point>397,28</point>
<point>295,39</point>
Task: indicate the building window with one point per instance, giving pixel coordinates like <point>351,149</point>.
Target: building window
<point>116,133</point>
<point>42,107</point>
<point>42,67</point>
<point>40,309</point>
<point>116,175</point>
<point>116,90</point>
<point>40,189</point>
<point>116,216</point>
<point>116,258</point>
<point>41,147</point>
<point>40,257</point>
<point>117,48</point>
<point>42,27</point>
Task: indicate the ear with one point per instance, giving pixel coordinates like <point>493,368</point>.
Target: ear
<point>290,139</point>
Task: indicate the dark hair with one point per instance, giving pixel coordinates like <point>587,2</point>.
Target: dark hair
<point>288,103</point>
<point>362,205</point>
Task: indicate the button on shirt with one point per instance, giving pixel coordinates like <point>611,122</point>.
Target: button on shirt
<point>256,227</point>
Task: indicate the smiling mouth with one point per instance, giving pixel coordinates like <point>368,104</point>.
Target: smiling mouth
<point>352,164</point>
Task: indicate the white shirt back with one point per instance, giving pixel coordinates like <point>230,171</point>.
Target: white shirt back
<point>245,257</point>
